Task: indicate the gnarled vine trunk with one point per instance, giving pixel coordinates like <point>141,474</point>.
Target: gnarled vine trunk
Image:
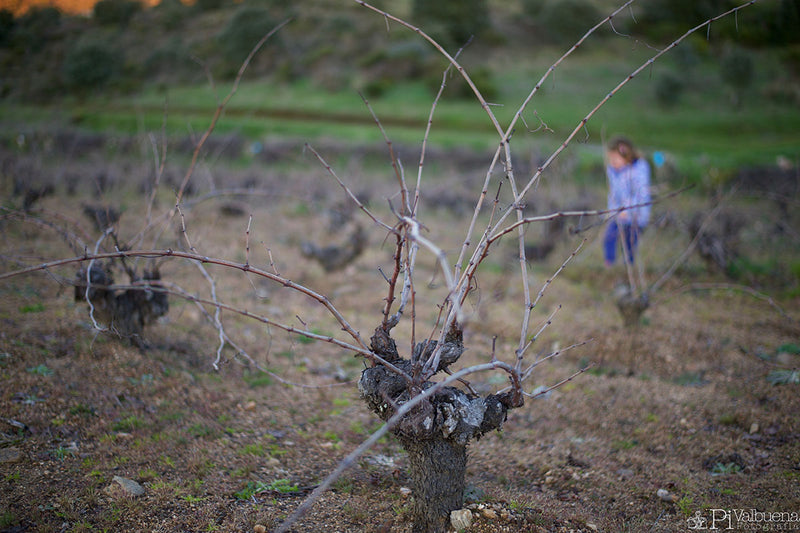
<point>437,468</point>
<point>436,432</point>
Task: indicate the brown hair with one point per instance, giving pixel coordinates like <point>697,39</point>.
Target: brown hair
<point>625,148</point>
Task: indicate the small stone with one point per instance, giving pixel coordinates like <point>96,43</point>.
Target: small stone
<point>489,514</point>
<point>405,491</point>
<point>124,487</point>
<point>10,455</point>
<point>754,427</point>
<point>591,526</point>
<point>259,529</point>
<point>665,495</point>
<point>461,519</point>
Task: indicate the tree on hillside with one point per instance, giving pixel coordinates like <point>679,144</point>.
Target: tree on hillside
<point>415,380</point>
<point>452,22</point>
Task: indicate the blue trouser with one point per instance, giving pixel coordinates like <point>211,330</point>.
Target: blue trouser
<point>630,234</point>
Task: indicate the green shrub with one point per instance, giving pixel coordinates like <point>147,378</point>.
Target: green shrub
<point>667,18</point>
<point>737,70</point>
<point>208,5</point>
<point>668,89</point>
<point>532,8</point>
<point>565,21</point>
<point>6,26</point>
<point>171,61</point>
<point>91,64</point>
<point>481,76</point>
<point>171,14</point>
<point>36,28</point>
<point>451,22</point>
<point>244,29</point>
<point>115,12</point>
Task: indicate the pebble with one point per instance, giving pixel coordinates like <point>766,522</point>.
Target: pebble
<point>259,529</point>
<point>405,491</point>
<point>127,487</point>
<point>461,519</point>
<point>489,514</point>
<point>10,455</point>
<point>664,494</point>
<point>754,427</point>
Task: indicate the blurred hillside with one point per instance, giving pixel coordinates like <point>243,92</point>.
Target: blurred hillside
<point>122,46</point>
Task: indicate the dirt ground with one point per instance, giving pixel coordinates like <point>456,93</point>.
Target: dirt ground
<point>676,422</point>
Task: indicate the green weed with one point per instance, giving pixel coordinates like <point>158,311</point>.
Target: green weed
<point>8,519</point>
<point>32,308</point>
<point>41,370</point>
<point>201,430</point>
<point>257,379</point>
<point>82,410</point>
<point>723,469</point>
<point>625,444</point>
<point>283,486</point>
<point>62,453</point>
<point>256,449</point>
<point>689,379</point>
<point>128,424</point>
<point>686,505</point>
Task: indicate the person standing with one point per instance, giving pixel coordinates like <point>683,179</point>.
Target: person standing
<point>628,199</point>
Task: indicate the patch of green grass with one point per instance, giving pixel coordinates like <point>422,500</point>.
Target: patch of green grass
<point>12,476</point>
<point>343,485</point>
<point>129,423</point>
<point>689,379</point>
<point>283,486</point>
<point>62,453</point>
<point>82,410</point>
<point>341,402</point>
<point>147,474</point>
<point>723,469</point>
<point>41,370</point>
<point>201,431</point>
<point>686,505</point>
<point>303,339</point>
<point>331,436</point>
<point>624,444</point>
<point>8,519</point>
<point>32,308</point>
<point>172,416</point>
<point>257,379</point>
<point>256,449</point>
<point>791,348</point>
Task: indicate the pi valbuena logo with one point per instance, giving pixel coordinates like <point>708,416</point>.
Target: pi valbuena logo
<point>745,519</point>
